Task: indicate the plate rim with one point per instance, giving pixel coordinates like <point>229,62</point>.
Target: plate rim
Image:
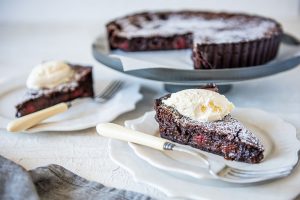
<point>168,167</point>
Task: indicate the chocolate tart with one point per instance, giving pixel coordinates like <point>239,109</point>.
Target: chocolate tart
<point>226,137</point>
<point>80,86</point>
<point>217,40</point>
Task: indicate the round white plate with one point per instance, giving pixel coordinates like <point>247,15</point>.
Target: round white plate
<point>278,138</point>
<point>185,187</point>
<point>84,113</point>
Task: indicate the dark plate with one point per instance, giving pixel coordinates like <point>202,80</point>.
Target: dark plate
<point>178,78</point>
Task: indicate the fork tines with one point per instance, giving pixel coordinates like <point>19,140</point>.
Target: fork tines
<point>109,91</point>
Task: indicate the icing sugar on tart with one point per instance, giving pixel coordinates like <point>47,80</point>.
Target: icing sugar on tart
<point>219,30</point>
<point>217,40</point>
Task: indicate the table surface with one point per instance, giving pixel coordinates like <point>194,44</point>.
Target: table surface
<point>23,45</point>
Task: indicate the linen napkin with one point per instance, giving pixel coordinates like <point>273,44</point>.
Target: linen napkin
<point>54,182</point>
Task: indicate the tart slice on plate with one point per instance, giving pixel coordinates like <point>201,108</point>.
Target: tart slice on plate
<point>54,82</point>
<point>201,118</point>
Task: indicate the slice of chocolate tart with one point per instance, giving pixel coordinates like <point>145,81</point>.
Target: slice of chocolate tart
<point>78,85</point>
<point>222,134</point>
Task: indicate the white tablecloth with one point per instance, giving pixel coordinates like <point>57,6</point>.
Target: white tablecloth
<point>24,44</point>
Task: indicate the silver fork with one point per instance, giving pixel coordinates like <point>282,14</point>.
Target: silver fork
<point>28,121</point>
<point>108,92</point>
<point>231,174</point>
<point>227,173</point>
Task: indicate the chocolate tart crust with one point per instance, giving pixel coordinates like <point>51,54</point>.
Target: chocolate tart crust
<point>205,55</point>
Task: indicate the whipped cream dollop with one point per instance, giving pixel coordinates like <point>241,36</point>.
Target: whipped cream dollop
<point>200,105</point>
<point>49,75</point>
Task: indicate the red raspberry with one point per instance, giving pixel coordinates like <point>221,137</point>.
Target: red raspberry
<point>199,139</point>
<point>124,45</point>
<point>179,43</point>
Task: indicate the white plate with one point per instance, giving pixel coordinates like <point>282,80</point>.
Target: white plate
<point>84,113</point>
<point>184,187</point>
<point>277,136</point>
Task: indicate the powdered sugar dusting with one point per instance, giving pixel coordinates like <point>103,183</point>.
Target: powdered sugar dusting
<point>221,30</point>
<point>32,94</point>
<point>228,126</point>
<point>71,85</point>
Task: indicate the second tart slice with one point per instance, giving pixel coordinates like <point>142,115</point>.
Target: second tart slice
<point>211,132</point>
<point>67,81</point>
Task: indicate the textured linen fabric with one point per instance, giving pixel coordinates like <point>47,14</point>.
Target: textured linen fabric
<point>54,182</point>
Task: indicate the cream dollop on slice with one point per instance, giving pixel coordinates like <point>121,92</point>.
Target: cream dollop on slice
<point>49,75</point>
<point>200,105</point>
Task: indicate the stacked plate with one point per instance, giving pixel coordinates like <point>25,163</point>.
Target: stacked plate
<point>181,175</point>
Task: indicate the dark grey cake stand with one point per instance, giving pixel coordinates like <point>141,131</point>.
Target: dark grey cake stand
<point>177,79</point>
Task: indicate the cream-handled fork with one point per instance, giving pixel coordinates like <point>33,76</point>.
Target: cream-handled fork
<point>226,173</point>
<point>30,120</point>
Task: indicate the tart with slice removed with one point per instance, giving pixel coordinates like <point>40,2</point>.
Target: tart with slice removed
<point>217,39</point>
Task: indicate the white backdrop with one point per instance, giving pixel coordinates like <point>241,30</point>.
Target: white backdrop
<point>96,10</point>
